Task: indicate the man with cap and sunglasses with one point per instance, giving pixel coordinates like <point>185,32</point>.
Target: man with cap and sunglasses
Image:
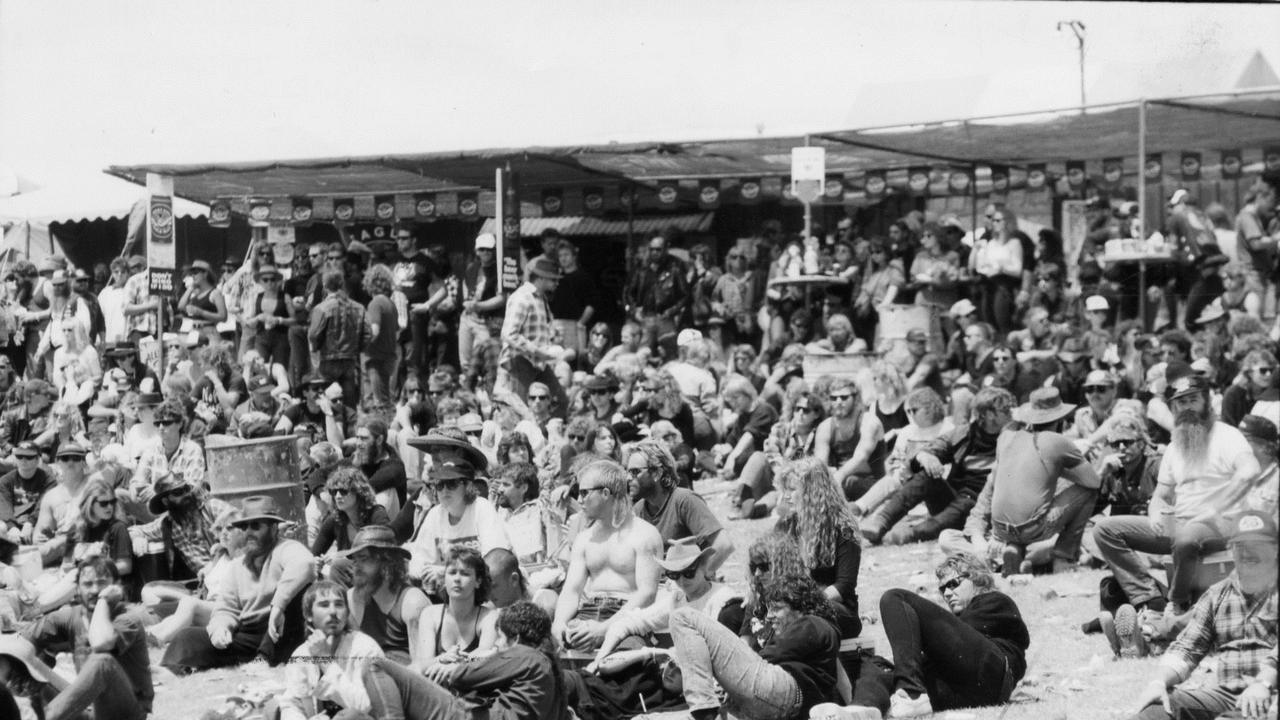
<point>528,352</point>
<point>258,608</point>
<point>21,491</point>
<point>1235,620</point>
<point>479,296</point>
<point>1207,470</point>
<point>459,518</point>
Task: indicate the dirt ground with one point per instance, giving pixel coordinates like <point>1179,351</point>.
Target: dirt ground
<point>1070,675</point>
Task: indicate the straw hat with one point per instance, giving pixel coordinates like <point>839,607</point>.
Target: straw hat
<point>682,555</point>
<point>1044,406</point>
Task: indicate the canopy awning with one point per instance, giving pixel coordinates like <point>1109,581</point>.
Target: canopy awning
<point>95,197</point>
<point>583,226</point>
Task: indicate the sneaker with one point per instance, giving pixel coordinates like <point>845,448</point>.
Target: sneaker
<point>1127,631</point>
<point>1108,624</point>
<point>902,705</point>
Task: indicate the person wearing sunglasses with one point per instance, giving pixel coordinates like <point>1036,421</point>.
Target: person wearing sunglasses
<point>1009,374</point>
<point>850,441</point>
<point>195,606</point>
<point>676,512</point>
<point>613,565</point>
<point>258,609</point>
<point>459,518</point>
<point>352,506</point>
<point>97,532</point>
<point>175,453</point>
<point>1099,391</point>
<point>969,654</point>
<point>602,390</point>
<point>1259,371</point>
<point>21,490</point>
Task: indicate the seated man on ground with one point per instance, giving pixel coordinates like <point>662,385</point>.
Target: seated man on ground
<point>381,601</point>
<point>459,519</point>
<point>970,654</point>
<point>113,670</point>
<point>613,566</point>
<point>326,675</point>
<point>534,525</point>
<point>194,609</point>
<point>970,451</point>
<point>185,524</point>
<point>1041,486</point>
<point>676,512</point>
<point>1206,473</point>
<point>850,441</point>
<point>258,609</point>
<point>1236,619</point>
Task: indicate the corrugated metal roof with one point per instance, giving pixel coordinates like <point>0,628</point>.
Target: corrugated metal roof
<point>579,226</point>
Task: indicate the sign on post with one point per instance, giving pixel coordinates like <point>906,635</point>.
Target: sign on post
<point>507,222</point>
<point>161,248</point>
<point>808,173</point>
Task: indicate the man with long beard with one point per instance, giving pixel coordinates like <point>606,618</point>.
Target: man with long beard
<point>258,607</point>
<point>383,604</point>
<point>185,525</point>
<point>1204,477</point>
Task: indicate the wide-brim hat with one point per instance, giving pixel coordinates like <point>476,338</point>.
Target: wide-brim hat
<point>436,444</point>
<point>259,507</point>
<point>165,486</point>
<point>1215,260</point>
<point>1073,349</point>
<point>374,537</point>
<point>20,649</point>
<point>1259,427</point>
<point>683,555</point>
<point>121,350</point>
<point>1044,406</point>
<point>600,382</point>
<point>150,399</point>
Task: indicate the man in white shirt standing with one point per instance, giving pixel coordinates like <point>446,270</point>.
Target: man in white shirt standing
<point>112,300</point>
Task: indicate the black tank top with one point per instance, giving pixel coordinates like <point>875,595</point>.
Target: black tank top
<point>387,628</point>
<point>843,449</point>
<point>475,641</point>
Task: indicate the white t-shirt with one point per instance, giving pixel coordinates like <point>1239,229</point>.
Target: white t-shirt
<point>112,301</point>
<point>1204,484</point>
<point>479,527</point>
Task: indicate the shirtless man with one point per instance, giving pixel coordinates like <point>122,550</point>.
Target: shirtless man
<point>613,567</point>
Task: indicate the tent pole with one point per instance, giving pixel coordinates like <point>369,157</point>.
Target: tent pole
<point>1142,208</point>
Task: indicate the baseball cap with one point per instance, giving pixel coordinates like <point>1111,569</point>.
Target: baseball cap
<point>963,308</point>
<point>688,336</point>
<point>1253,525</point>
<point>26,448</point>
<point>1178,196</point>
<point>1096,302</point>
<point>917,335</point>
<point>486,241</point>
<point>71,450</point>
<point>261,383</point>
<point>1099,377</point>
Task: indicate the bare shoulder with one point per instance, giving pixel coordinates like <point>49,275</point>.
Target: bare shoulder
<point>643,535</point>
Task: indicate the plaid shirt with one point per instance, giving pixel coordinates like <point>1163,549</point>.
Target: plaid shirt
<point>187,461</point>
<point>526,330</point>
<point>194,540</point>
<point>1243,636</point>
<point>136,293</point>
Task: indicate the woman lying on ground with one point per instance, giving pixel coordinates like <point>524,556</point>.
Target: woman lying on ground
<point>969,656</point>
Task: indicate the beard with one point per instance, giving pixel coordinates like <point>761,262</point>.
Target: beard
<point>367,584</point>
<point>362,456</point>
<point>1191,435</point>
<point>185,508</point>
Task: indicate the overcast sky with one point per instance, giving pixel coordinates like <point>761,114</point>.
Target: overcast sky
<point>88,84</point>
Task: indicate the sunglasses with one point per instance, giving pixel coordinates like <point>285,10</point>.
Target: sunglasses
<point>413,391</point>
<point>1001,358</point>
<point>758,567</point>
<point>1123,444</point>
<point>689,574</point>
<point>577,438</point>
<point>340,491</point>
<point>26,457</point>
<point>166,423</point>
<point>105,503</point>
<point>841,398</point>
<point>446,484</point>
<point>70,458</point>
<point>951,584</point>
<point>1264,370</point>
<point>1096,389</point>
<point>256,525</point>
<point>803,408</point>
<point>535,398</point>
<point>585,491</point>
<point>601,392</point>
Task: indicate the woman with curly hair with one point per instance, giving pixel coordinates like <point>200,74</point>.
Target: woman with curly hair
<point>795,669</point>
<point>970,655</point>
<point>656,396</point>
<point>380,354</point>
<point>772,555</point>
<point>353,505</point>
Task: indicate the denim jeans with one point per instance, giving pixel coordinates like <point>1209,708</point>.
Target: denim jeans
<point>397,693</point>
<point>1067,517</point>
<point>379,374</point>
<point>472,331</point>
<point>1200,703</point>
<point>102,684</point>
<point>937,653</point>
<point>1122,540</point>
<point>708,652</point>
<point>947,510</point>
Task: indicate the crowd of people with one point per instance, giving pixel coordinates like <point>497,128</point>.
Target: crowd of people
<point>500,514</point>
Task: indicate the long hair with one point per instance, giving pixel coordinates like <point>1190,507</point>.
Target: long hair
<point>821,517</point>
<point>606,428</point>
<point>801,593</point>
<point>779,552</point>
<point>394,567</point>
<point>349,478</point>
<point>378,280</point>
<point>92,492</point>
<point>510,440</point>
<point>969,566</point>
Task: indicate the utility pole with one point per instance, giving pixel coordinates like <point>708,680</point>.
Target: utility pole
<point>1077,27</point>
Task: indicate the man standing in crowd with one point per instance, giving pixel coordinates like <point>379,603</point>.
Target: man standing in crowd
<point>676,512</point>
<point>304,288</point>
<point>481,301</point>
<point>1206,472</point>
<point>337,334</point>
<point>112,300</point>
<point>1235,620</point>
<point>413,271</point>
<point>613,566</point>
<point>574,303</point>
<point>1021,502</point>
<point>528,353</point>
<point>258,607</point>
<point>141,307</point>
<point>1256,240</point>
<point>384,605</point>
<point>657,294</point>
<point>108,642</point>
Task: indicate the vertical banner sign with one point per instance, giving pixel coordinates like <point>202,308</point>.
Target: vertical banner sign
<point>508,209</point>
<point>1190,165</point>
<point>220,213</point>
<point>708,195</point>
<point>384,209</point>
<point>749,193</point>
<point>552,202</point>
<point>161,252</point>
<point>1232,163</point>
<point>1075,228</point>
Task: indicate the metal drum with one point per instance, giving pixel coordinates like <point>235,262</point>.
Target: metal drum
<point>238,469</point>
